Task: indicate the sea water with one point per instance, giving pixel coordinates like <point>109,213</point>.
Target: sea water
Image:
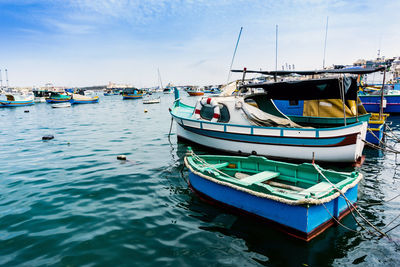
<point>69,201</point>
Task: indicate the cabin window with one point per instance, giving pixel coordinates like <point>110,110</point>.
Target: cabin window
<point>293,102</point>
<point>207,113</point>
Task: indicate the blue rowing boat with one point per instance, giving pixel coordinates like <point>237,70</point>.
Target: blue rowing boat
<point>301,199</point>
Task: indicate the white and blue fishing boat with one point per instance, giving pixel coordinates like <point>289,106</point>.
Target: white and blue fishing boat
<point>16,100</point>
<point>301,199</point>
<point>83,99</point>
<point>228,123</point>
<point>58,97</point>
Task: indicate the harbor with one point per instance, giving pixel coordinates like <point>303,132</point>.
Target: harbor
<point>70,197</point>
<point>142,134</point>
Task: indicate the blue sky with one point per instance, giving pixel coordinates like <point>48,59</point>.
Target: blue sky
<point>92,42</point>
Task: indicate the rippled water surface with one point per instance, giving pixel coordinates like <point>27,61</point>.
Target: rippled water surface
<point>69,201</point>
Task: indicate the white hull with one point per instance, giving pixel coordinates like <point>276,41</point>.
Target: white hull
<point>346,153</point>
<point>61,105</point>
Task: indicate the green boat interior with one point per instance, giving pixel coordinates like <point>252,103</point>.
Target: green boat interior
<point>286,180</point>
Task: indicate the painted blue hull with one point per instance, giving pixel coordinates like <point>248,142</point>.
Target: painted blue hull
<point>6,103</point>
<point>299,221</point>
<point>84,101</point>
<point>132,96</point>
<point>377,134</point>
<point>55,100</point>
<point>372,103</point>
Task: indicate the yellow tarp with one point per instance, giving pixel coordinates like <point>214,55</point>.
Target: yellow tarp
<point>331,108</point>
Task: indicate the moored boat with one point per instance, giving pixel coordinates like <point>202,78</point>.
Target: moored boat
<point>132,93</point>
<point>56,97</point>
<point>17,100</point>
<point>151,100</point>
<point>195,91</point>
<point>61,105</point>
<point>82,99</point>
<point>302,199</point>
<point>229,124</point>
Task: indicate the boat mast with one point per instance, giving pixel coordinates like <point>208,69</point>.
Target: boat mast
<point>159,78</point>
<point>326,37</point>
<point>383,85</point>
<point>7,80</point>
<point>234,53</point>
<point>276,52</point>
<point>1,81</point>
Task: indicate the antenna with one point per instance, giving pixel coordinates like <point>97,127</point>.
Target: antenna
<point>276,48</point>
<point>159,78</point>
<point>7,79</point>
<point>326,36</point>
<point>234,53</point>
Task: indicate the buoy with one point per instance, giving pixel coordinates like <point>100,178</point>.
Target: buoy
<point>145,111</point>
<point>26,111</point>
<point>121,157</point>
<point>48,137</point>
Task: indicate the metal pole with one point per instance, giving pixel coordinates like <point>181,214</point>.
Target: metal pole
<point>234,53</point>
<point>276,52</point>
<point>383,85</point>
<point>341,85</point>
<point>326,36</point>
<point>159,78</point>
<point>7,79</point>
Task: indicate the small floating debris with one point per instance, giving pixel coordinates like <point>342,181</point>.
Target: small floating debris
<point>26,111</point>
<point>48,137</point>
<point>121,157</point>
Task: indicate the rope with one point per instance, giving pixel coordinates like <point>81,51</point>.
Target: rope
<point>392,132</point>
<point>385,149</point>
<point>377,138</point>
<point>170,128</point>
<point>338,222</point>
<point>351,204</point>
<point>391,221</point>
<point>303,201</point>
<point>206,164</point>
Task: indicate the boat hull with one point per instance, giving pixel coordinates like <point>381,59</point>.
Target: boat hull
<point>301,221</point>
<point>82,101</point>
<point>125,97</point>
<point>342,145</point>
<point>372,103</point>
<point>6,103</point>
<point>153,101</point>
<point>57,100</point>
<point>195,93</point>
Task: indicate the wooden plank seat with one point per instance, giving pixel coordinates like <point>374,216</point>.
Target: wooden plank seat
<point>260,177</point>
<point>212,167</point>
<point>319,188</point>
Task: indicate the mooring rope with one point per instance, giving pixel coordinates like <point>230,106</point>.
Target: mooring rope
<point>338,222</point>
<point>392,136</point>
<point>349,202</point>
<point>170,128</point>
<point>385,149</point>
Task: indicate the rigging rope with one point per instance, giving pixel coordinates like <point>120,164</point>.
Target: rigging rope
<point>351,204</point>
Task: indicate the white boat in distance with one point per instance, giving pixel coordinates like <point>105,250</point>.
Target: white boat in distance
<point>152,100</point>
<point>61,105</point>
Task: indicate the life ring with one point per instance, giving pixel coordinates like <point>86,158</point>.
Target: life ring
<point>209,102</point>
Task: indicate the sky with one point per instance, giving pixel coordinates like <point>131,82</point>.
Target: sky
<point>94,42</point>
